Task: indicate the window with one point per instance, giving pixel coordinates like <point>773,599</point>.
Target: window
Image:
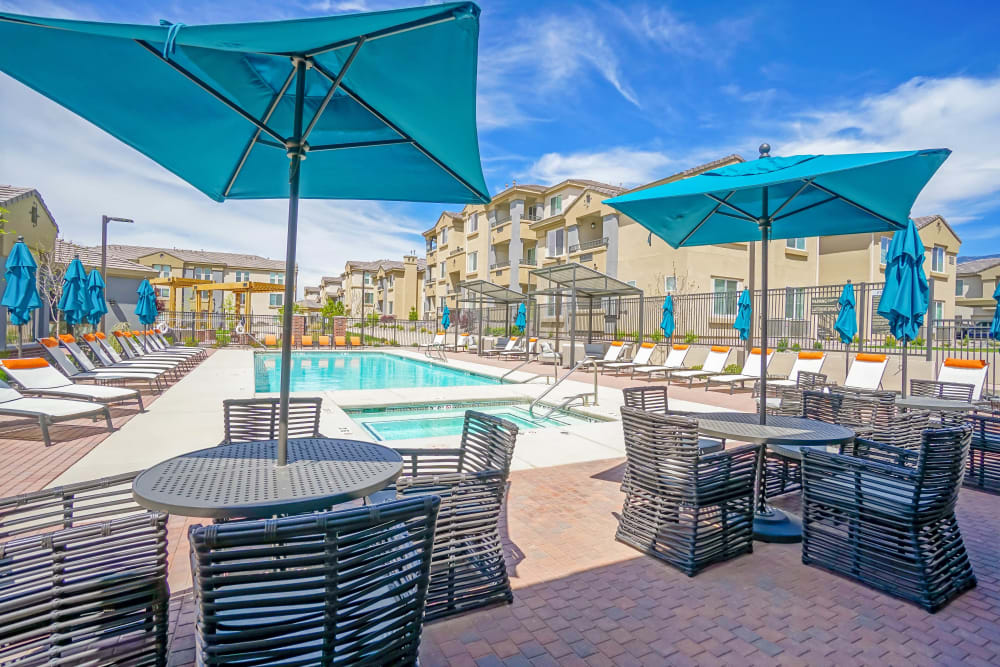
<point>442,269</point>
<point>959,288</point>
<point>473,223</point>
<point>724,301</point>
<point>277,278</point>
<point>555,205</point>
<point>390,305</point>
<point>277,300</point>
<point>555,242</point>
<point>162,269</point>
<point>552,307</point>
<point>883,249</point>
<point>444,235</point>
<point>670,284</point>
<point>162,292</point>
<point>242,276</point>
<point>529,256</point>
<point>937,259</point>
<point>202,273</point>
<point>369,298</point>
<point>795,303</point>
<point>796,243</point>
<point>473,261</point>
<point>938,311</point>
<point>368,279</point>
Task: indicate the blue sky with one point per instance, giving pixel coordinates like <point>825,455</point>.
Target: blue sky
<point>624,92</point>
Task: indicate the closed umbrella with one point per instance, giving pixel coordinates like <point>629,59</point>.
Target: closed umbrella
<point>383,104</point>
<point>906,294</point>
<point>20,294</point>
<point>995,326</point>
<point>784,197</point>
<point>744,314</point>
<point>847,320</point>
<point>446,318</point>
<point>145,308</point>
<point>98,307</point>
<point>73,301</point>
<point>521,318</point>
<point>667,321</point>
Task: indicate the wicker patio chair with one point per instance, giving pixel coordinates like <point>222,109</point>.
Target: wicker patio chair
<point>468,569</point>
<point>83,577</point>
<point>487,444</point>
<point>954,391</point>
<point>684,507</point>
<point>252,419</point>
<point>333,588</point>
<point>886,516</point>
<point>650,399</point>
<point>983,471</point>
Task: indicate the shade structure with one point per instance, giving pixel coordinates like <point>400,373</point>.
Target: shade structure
<point>847,317</point>
<point>784,197</point>
<point>382,103</point>
<point>906,294</point>
<point>20,294</point>
<point>446,318</point>
<point>995,325</point>
<point>667,321</point>
<point>744,315</point>
<point>521,318</point>
<point>73,300</point>
<point>145,308</point>
<point>97,306</point>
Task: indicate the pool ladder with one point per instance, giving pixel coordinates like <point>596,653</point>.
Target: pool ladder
<point>585,396</point>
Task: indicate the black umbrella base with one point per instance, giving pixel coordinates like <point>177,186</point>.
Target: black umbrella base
<point>773,525</point>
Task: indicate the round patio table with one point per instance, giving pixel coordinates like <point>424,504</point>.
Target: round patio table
<point>242,481</point>
<point>780,432</point>
<point>934,404</point>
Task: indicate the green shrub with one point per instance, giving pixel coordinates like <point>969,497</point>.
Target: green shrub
<point>190,342</point>
<point>731,369</point>
<point>222,337</point>
<point>817,345</point>
<point>413,316</point>
<point>890,341</point>
<point>796,348</point>
<point>696,368</point>
<point>690,337</point>
<point>919,342</point>
<point>657,336</point>
<point>782,345</point>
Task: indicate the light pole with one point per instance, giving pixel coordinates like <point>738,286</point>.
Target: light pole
<point>105,219</point>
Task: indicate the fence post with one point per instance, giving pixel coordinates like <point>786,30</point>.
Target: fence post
<point>930,323</point>
<point>862,316</point>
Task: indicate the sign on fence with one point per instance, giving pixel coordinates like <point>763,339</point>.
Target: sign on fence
<point>825,305</point>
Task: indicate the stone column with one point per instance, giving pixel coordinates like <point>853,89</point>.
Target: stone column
<point>298,328</point>
<point>611,233</point>
<point>514,250</point>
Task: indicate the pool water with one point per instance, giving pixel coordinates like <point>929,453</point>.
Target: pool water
<point>435,421</point>
<point>335,371</point>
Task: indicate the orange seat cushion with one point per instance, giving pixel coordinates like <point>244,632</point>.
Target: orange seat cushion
<point>648,345</point>
<point>617,343</point>
<point>307,340</point>
<point>965,363</point>
<point>810,355</point>
<point>100,335</point>
<point>877,358</point>
<point>49,342</point>
<point>33,362</point>
<point>681,347</point>
<point>66,338</point>
<point>756,350</point>
<point>720,348</point>
<point>89,337</point>
<point>324,340</point>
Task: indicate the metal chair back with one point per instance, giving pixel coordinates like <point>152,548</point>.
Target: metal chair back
<point>253,419</point>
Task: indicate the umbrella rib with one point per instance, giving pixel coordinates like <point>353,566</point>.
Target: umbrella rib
<point>805,184</point>
<point>805,208</point>
<point>722,202</point>
<point>211,91</point>
<point>426,22</point>
<point>333,88</point>
<point>256,132</point>
<point>484,198</point>
<point>359,144</point>
<point>855,204</point>
<point>704,220</point>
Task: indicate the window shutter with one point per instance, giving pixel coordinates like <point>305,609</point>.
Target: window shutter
<point>550,240</point>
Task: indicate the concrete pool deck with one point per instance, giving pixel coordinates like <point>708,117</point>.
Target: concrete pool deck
<point>189,415</point>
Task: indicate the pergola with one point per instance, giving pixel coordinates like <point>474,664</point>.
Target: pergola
<point>176,284</point>
<point>493,294</point>
<point>577,280</point>
<point>244,287</point>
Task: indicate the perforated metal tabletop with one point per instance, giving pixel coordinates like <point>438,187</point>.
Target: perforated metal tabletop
<point>242,480</point>
<point>781,430</point>
<point>934,404</point>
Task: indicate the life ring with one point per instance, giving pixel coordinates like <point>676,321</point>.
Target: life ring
<point>240,329</point>
<point>162,327</point>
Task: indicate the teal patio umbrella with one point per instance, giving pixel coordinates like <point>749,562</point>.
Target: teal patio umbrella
<point>446,318</point>
<point>667,321</point>
<point>73,300</point>
<point>847,320</point>
<point>995,326</point>
<point>906,294</point>
<point>744,315</point>
<point>381,103</point>
<point>20,294</point>
<point>784,197</point>
<point>145,308</point>
<point>98,307</point>
<point>521,318</point>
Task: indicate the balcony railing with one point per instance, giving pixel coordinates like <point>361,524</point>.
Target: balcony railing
<point>587,245</point>
<point>499,221</point>
<point>500,265</point>
<point>529,262</point>
<point>531,216</point>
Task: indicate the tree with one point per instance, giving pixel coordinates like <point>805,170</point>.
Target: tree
<point>50,283</point>
<point>296,310</point>
<point>333,308</point>
<point>413,316</point>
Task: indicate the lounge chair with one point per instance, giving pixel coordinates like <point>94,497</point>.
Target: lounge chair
<point>146,346</point>
<point>156,342</point>
<point>109,357</point>
<point>461,344</point>
<point>867,371</point>
<point>750,371</point>
<point>612,354</point>
<point>965,371</point>
<point>355,341</point>
<point>435,344</point>
<point>497,351</point>
<point>270,340</point>
<point>83,361</point>
<point>49,410</point>
<point>134,351</point>
<point>642,358</point>
<point>36,376</point>
<point>547,355</point>
<point>306,341</point>
<point>674,362</point>
<point>714,363</point>
<point>324,341</point>
<point>525,352</point>
<point>70,370</point>
<point>808,361</point>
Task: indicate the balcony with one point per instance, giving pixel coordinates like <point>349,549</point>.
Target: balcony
<point>500,220</point>
<point>589,245</point>
<point>501,234</point>
<point>531,216</point>
<point>503,264</point>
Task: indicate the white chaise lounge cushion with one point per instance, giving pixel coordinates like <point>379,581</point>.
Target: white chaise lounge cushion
<point>965,371</point>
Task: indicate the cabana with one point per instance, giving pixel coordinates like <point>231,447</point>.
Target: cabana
<point>577,280</point>
<point>491,294</point>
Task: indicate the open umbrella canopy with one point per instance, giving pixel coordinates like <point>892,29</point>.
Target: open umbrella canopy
<point>995,326</point>
<point>667,321</point>
<point>145,309</point>
<point>98,307</point>
<point>73,301</point>
<point>744,313</point>
<point>906,293</point>
<point>215,104</point>
<point>802,195</point>
<point>20,294</point>
<point>521,319</point>
<point>446,318</point>
<point>847,317</point>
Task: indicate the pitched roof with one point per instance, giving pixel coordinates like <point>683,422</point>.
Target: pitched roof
<point>12,193</point>
<point>977,265</point>
<point>91,257</point>
<point>925,220</point>
<point>387,264</point>
<point>231,259</point>
<point>693,171</point>
<point>331,280</point>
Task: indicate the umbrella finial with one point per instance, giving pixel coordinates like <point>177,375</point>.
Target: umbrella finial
<point>20,238</point>
<point>765,150</point>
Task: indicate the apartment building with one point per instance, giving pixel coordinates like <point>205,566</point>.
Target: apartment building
<point>975,282</point>
<point>220,267</point>
<point>122,278</point>
<point>384,286</point>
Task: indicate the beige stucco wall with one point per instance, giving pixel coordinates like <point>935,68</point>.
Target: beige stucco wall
<point>39,230</point>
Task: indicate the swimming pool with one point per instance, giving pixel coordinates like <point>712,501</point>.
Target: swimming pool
<point>335,371</point>
<point>406,422</point>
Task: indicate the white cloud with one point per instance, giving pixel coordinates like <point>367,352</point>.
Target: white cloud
<point>83,173</point>
<point>617,165</point>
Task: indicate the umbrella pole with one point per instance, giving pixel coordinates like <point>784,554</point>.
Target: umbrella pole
<point>904,369</point>
<point>765,229</point>
<point>294,169</point>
